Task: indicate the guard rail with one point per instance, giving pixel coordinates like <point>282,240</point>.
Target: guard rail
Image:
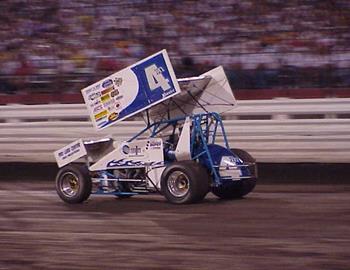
<point>276,131</point>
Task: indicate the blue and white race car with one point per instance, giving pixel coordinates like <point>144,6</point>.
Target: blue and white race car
<point>182,153</point>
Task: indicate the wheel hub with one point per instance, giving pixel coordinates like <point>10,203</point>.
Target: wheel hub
<point>69,184</point>
<point>178,184</point>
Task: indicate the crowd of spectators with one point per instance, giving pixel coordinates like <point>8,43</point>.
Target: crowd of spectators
<point>64,45</point>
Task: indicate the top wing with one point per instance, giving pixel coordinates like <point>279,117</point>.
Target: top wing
<point>151,85</point>
<point>131,90</point>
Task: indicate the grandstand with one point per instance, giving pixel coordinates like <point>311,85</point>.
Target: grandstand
<point>49,50</point>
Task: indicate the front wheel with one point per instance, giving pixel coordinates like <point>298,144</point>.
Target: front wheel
<point>240,188</point>
<point>185,182</point>
<point>234,190</point>
<point>73,183</point>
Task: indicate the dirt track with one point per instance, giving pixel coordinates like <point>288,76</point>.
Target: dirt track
<point>276,227</point>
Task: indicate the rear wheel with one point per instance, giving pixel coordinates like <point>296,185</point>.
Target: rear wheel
<point>185,182</point>
<point>73,183</point>
<point>240,188</point>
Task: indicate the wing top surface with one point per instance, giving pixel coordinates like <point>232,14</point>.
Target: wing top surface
<point>209,92</point>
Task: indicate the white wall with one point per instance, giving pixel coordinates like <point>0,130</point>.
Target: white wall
<point>268,129</point>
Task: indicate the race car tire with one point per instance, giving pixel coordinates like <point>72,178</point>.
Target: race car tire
<point>73,183</point>
<point>244,155</point>
<point>185,182</point>
<point>237,189</point>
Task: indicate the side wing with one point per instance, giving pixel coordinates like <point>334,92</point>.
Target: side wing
<point>209,92</point>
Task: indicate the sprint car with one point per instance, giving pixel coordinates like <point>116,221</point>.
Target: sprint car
<point>182,152</point>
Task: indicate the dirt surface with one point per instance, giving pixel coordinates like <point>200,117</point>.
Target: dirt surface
<point>275,227</point>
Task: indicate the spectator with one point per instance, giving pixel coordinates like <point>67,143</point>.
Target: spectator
<point>66,39</point>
